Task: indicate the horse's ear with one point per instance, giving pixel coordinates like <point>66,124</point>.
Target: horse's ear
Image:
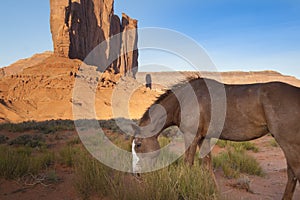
<point>135,128</point>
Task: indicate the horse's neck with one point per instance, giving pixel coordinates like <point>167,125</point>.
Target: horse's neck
<point>161,116</point>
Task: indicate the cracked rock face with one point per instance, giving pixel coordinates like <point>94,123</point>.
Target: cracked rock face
<point>78,26</point>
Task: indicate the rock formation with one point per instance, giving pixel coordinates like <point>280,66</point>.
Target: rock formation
<point>78,26</point>
<point>2,73</point>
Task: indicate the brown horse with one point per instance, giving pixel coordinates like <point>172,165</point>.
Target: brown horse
<point>252,111</point>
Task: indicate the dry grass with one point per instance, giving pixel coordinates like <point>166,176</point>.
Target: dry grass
<point>239,146</point>
<point>173,182</point>
<point>18,162</point>
<point>234,162</point>
<point>273,143</point>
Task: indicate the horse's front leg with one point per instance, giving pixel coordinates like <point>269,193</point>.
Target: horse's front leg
<point>205,154</point>
<point>191,143</point>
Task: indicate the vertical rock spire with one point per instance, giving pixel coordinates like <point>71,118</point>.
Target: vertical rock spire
<point>78,26</point>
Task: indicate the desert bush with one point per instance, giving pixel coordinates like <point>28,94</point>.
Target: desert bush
<point>17,162</point>
<point>45,127</point>
<point>234,162</point>
<point>29,141</point>
<point>11,127</point>
<point>53,126</point>
<point>3,139</point>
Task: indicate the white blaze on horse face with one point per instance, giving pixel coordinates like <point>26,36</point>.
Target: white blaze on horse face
<point>135,159</point>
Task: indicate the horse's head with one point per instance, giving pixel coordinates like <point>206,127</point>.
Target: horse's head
<point>144,150</point>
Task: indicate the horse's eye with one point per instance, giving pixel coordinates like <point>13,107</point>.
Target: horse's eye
<point>138,144</point>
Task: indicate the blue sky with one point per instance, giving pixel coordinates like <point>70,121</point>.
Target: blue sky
<point>237,34</point>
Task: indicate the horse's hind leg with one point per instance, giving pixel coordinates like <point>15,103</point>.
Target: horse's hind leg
<point>291,184</point>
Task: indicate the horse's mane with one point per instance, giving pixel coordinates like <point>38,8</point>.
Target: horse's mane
<point>168,92</point>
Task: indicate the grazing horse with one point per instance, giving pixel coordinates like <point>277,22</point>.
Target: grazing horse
<point>252,111</point>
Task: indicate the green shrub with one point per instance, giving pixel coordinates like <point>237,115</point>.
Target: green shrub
<point>235,162</point>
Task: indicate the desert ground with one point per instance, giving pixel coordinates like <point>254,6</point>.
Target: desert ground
<point>61,178</point>
<point>41,94</point>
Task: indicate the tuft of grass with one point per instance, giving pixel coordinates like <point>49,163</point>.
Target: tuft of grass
<point>194,183</point>
<point>163,141</point>
<point>235,162</point>
<point>243,183</point>
<point>273,143</point>
<point>67,156</point>
<point>52,177</point>
<point>222,143</point>
<point>17,162</point>
<point>238,146</point>
<point>91,177</point>
<point>123,144</point>
<point>74,141</point>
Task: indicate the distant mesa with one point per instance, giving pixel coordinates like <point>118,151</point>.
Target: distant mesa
<point>78,26</point>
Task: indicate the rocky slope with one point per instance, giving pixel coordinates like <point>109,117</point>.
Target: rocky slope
<point>45,91</point>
